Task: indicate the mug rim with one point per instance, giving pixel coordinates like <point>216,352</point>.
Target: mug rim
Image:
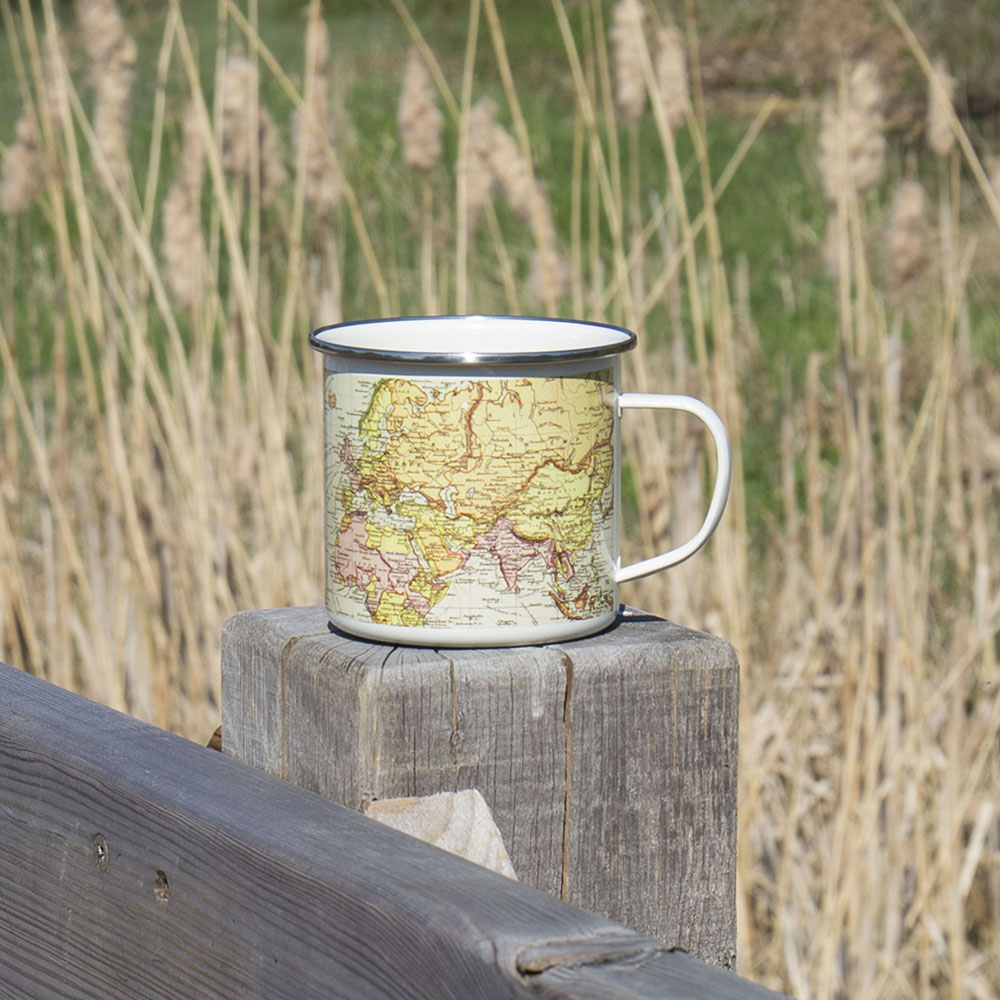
<point>318,340</point>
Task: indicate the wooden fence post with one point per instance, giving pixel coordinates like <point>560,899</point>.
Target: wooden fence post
<point>609,763</point>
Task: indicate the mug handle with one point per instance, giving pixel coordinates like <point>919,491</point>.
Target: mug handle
<point>708,416</point>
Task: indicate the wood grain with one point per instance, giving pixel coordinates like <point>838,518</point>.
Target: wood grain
<point>609,763</point>
<point>138,865</point>
<point>460,822</point>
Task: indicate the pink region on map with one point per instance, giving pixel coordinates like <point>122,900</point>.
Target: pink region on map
<point>513,552</point>
<point>357,563</point>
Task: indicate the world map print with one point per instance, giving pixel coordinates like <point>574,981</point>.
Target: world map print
<point>483,502</point>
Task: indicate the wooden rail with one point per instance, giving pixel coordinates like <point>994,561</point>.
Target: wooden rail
<point>135,864</point>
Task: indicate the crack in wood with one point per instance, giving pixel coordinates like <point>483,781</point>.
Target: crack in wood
<point>603,950</point>
<point>453,739</point>
<point>568,789</point>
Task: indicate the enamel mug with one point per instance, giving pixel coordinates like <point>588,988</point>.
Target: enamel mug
<point>473,478</point>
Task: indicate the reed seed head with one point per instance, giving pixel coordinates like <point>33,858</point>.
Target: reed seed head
<point>239,93</point>
<point>513,172</point>
<point>113,55</point>
<point>420,118</point>
<point>313,127</point>
<point>103,30</point>
<point>317,44</point>
<point>830,248</point>
<point>549,278</point>
<point>183,245</point>
<point>322,188</point>
<point>21,175</point>
<point>672,76</point>
<point>241,145</point>
<point>475,166</point>
<point>54,61</point>
<point>852,143</point>
<point>833,152</point>
<point>272,171</point>
<point>627,37</point>
<point>113,110</point>
<point>528,200</point>
<point>906,240</point>
<point>192,151</point>
<point>940,134</point>
<point>239,87</point>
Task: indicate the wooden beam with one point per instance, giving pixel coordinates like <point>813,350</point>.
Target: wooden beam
<point>135,864</point>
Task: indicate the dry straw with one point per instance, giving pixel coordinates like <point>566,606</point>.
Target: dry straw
<point>852,143</point>
<point>869,843</point>
<point>940,134</point>
<point>672,76</point>
<point>314,128</point>
<point>113,54</point>
<point>249,135</point>
<point>420,118</point>
<point>627,37</point>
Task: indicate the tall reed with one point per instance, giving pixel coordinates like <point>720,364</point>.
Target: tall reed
<point>161,459</point>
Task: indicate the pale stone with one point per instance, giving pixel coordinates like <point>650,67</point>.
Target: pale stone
<point>459,822</point>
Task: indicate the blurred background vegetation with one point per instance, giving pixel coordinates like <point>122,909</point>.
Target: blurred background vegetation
<point>166,244</point>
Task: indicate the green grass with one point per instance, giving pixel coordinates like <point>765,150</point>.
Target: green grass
<point>773,212</point>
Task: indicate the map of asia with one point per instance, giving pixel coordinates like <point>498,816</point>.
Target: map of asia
<point>457,502</point>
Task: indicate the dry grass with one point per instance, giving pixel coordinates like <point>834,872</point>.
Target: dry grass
<point>161,463</point>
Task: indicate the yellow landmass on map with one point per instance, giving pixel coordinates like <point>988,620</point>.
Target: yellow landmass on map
<point>539,446</point>
<point>389,541</point>
<point>435,550</point>
<point>393,610</point>
<point>558,503</point>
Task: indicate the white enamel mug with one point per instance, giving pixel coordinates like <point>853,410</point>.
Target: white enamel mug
<point>473,478</point>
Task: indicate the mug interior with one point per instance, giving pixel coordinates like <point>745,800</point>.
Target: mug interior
<point>472,339</point>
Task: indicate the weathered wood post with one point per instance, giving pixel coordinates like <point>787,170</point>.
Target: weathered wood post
<point>609,762</point>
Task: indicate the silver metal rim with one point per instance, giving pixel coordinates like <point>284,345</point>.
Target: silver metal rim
<point>627,342</point>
